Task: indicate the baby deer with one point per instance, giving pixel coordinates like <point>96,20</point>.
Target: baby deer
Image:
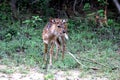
<point>54,33</point>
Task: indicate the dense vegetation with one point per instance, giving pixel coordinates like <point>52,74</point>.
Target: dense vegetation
<point>94,41</point>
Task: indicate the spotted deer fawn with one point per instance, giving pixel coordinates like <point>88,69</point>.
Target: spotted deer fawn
<point>100,21</point>
<point>54,33</point>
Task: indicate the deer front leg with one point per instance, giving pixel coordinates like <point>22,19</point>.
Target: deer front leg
<point>45,52</point>
<point>63,47</point>
<point>57,49</point>
<point>51,53</point>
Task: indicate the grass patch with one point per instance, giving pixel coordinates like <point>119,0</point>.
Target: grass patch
<point>7,71</point>
<point>49,77</point>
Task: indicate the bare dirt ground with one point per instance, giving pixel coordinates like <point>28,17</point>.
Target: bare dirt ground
<point>25,73</point>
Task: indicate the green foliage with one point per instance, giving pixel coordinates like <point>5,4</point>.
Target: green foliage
<point>101,12</point>
<point>96,47</point>
<point>7,71</point>
<point>33,22</point>
<point>49,77</point>
<point>86,6</point>
<point>47,10</point>
<point>40,5</point>
<point>102,2</point>
<point>5,12</point>
<point>110,21</point>
<point>66,63</point>
<point>91,47</point>
<point>9,33</point>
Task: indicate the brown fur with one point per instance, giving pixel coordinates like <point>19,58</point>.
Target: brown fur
<point>54,29</point>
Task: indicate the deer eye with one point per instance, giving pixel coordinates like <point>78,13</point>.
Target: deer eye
<point>59,26</point>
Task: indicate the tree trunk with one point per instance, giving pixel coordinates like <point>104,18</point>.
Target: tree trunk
<point>105,14</point>
<point>74,5</point>
<point>117,5</point>
<point>14,10</point>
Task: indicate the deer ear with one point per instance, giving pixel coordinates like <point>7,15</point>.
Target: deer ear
<point>50,19</point>
<point>65,20</point>
<point>53,20</point>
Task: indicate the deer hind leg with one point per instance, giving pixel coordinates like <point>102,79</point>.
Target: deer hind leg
<point>51,53</point>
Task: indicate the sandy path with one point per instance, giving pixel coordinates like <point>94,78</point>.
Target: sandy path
<point>35,74</point>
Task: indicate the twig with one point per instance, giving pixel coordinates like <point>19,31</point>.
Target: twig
<point>75,59</point>
<point>91,60</point>
<point>87,59</point>
<point>35,1</point>
<point>94,68</point>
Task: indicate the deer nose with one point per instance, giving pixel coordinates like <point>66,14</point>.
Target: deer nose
<point>63,31</point>
<point>59,26</point>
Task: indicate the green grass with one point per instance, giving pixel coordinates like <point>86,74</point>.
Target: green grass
<point>8,71</point>
<point>93,47</point>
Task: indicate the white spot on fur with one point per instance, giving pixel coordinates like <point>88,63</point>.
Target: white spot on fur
<point>45,41</point>
<point>66,36</point>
